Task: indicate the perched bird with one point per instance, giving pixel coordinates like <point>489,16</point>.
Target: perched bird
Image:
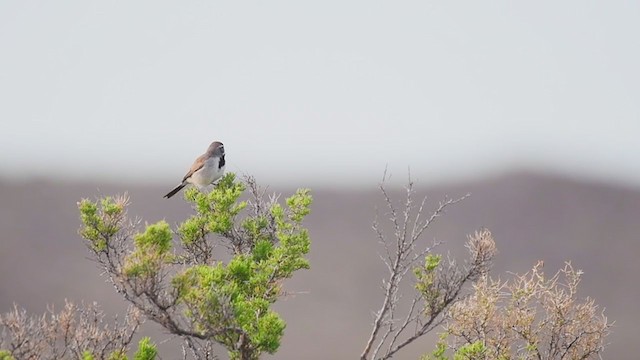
<point>207,168</point>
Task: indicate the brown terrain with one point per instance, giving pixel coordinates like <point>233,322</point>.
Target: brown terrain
<point>596,226</point>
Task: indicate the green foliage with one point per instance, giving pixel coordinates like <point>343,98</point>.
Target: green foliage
<point>118,355</point>
<point>242,287</point>
<point>300,205</point>
<point>230,302</point>
<point>151,251</point>
<point>215,211</point>
<point>146,350</point>
<point>426,282</point>
<point>473,351</point>
<point>274,247</point>
<point>5,355</point>
<point>101,220</point>
<point>532,348</point>
<point>157,237</point>
<point>439,352</point>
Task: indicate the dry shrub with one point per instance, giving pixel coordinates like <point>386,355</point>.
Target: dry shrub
<point>68,334</point>
<point>529,317</point>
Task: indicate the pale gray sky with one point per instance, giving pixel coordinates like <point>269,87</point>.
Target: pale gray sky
<point>320,93</point>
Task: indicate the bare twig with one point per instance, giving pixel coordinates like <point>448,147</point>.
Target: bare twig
<point>402,254</point>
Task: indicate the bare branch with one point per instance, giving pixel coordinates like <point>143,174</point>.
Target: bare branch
<point>402,254</point>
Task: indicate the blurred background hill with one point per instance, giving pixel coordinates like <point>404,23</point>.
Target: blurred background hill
<point>43,260</point>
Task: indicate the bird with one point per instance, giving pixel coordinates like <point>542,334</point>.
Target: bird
<point>207,168</point>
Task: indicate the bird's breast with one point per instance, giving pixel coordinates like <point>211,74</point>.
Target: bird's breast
<point>209,173</point>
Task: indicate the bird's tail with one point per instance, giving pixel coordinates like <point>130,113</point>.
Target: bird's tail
<point>175,190</point>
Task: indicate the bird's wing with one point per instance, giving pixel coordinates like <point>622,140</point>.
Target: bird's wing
<point>197,165</point>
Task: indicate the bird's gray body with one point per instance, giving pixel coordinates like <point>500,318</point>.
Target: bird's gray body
<point>207,174</point>
<point>207,169</point>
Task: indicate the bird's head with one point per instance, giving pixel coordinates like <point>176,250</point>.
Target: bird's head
<point>216,149</point>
